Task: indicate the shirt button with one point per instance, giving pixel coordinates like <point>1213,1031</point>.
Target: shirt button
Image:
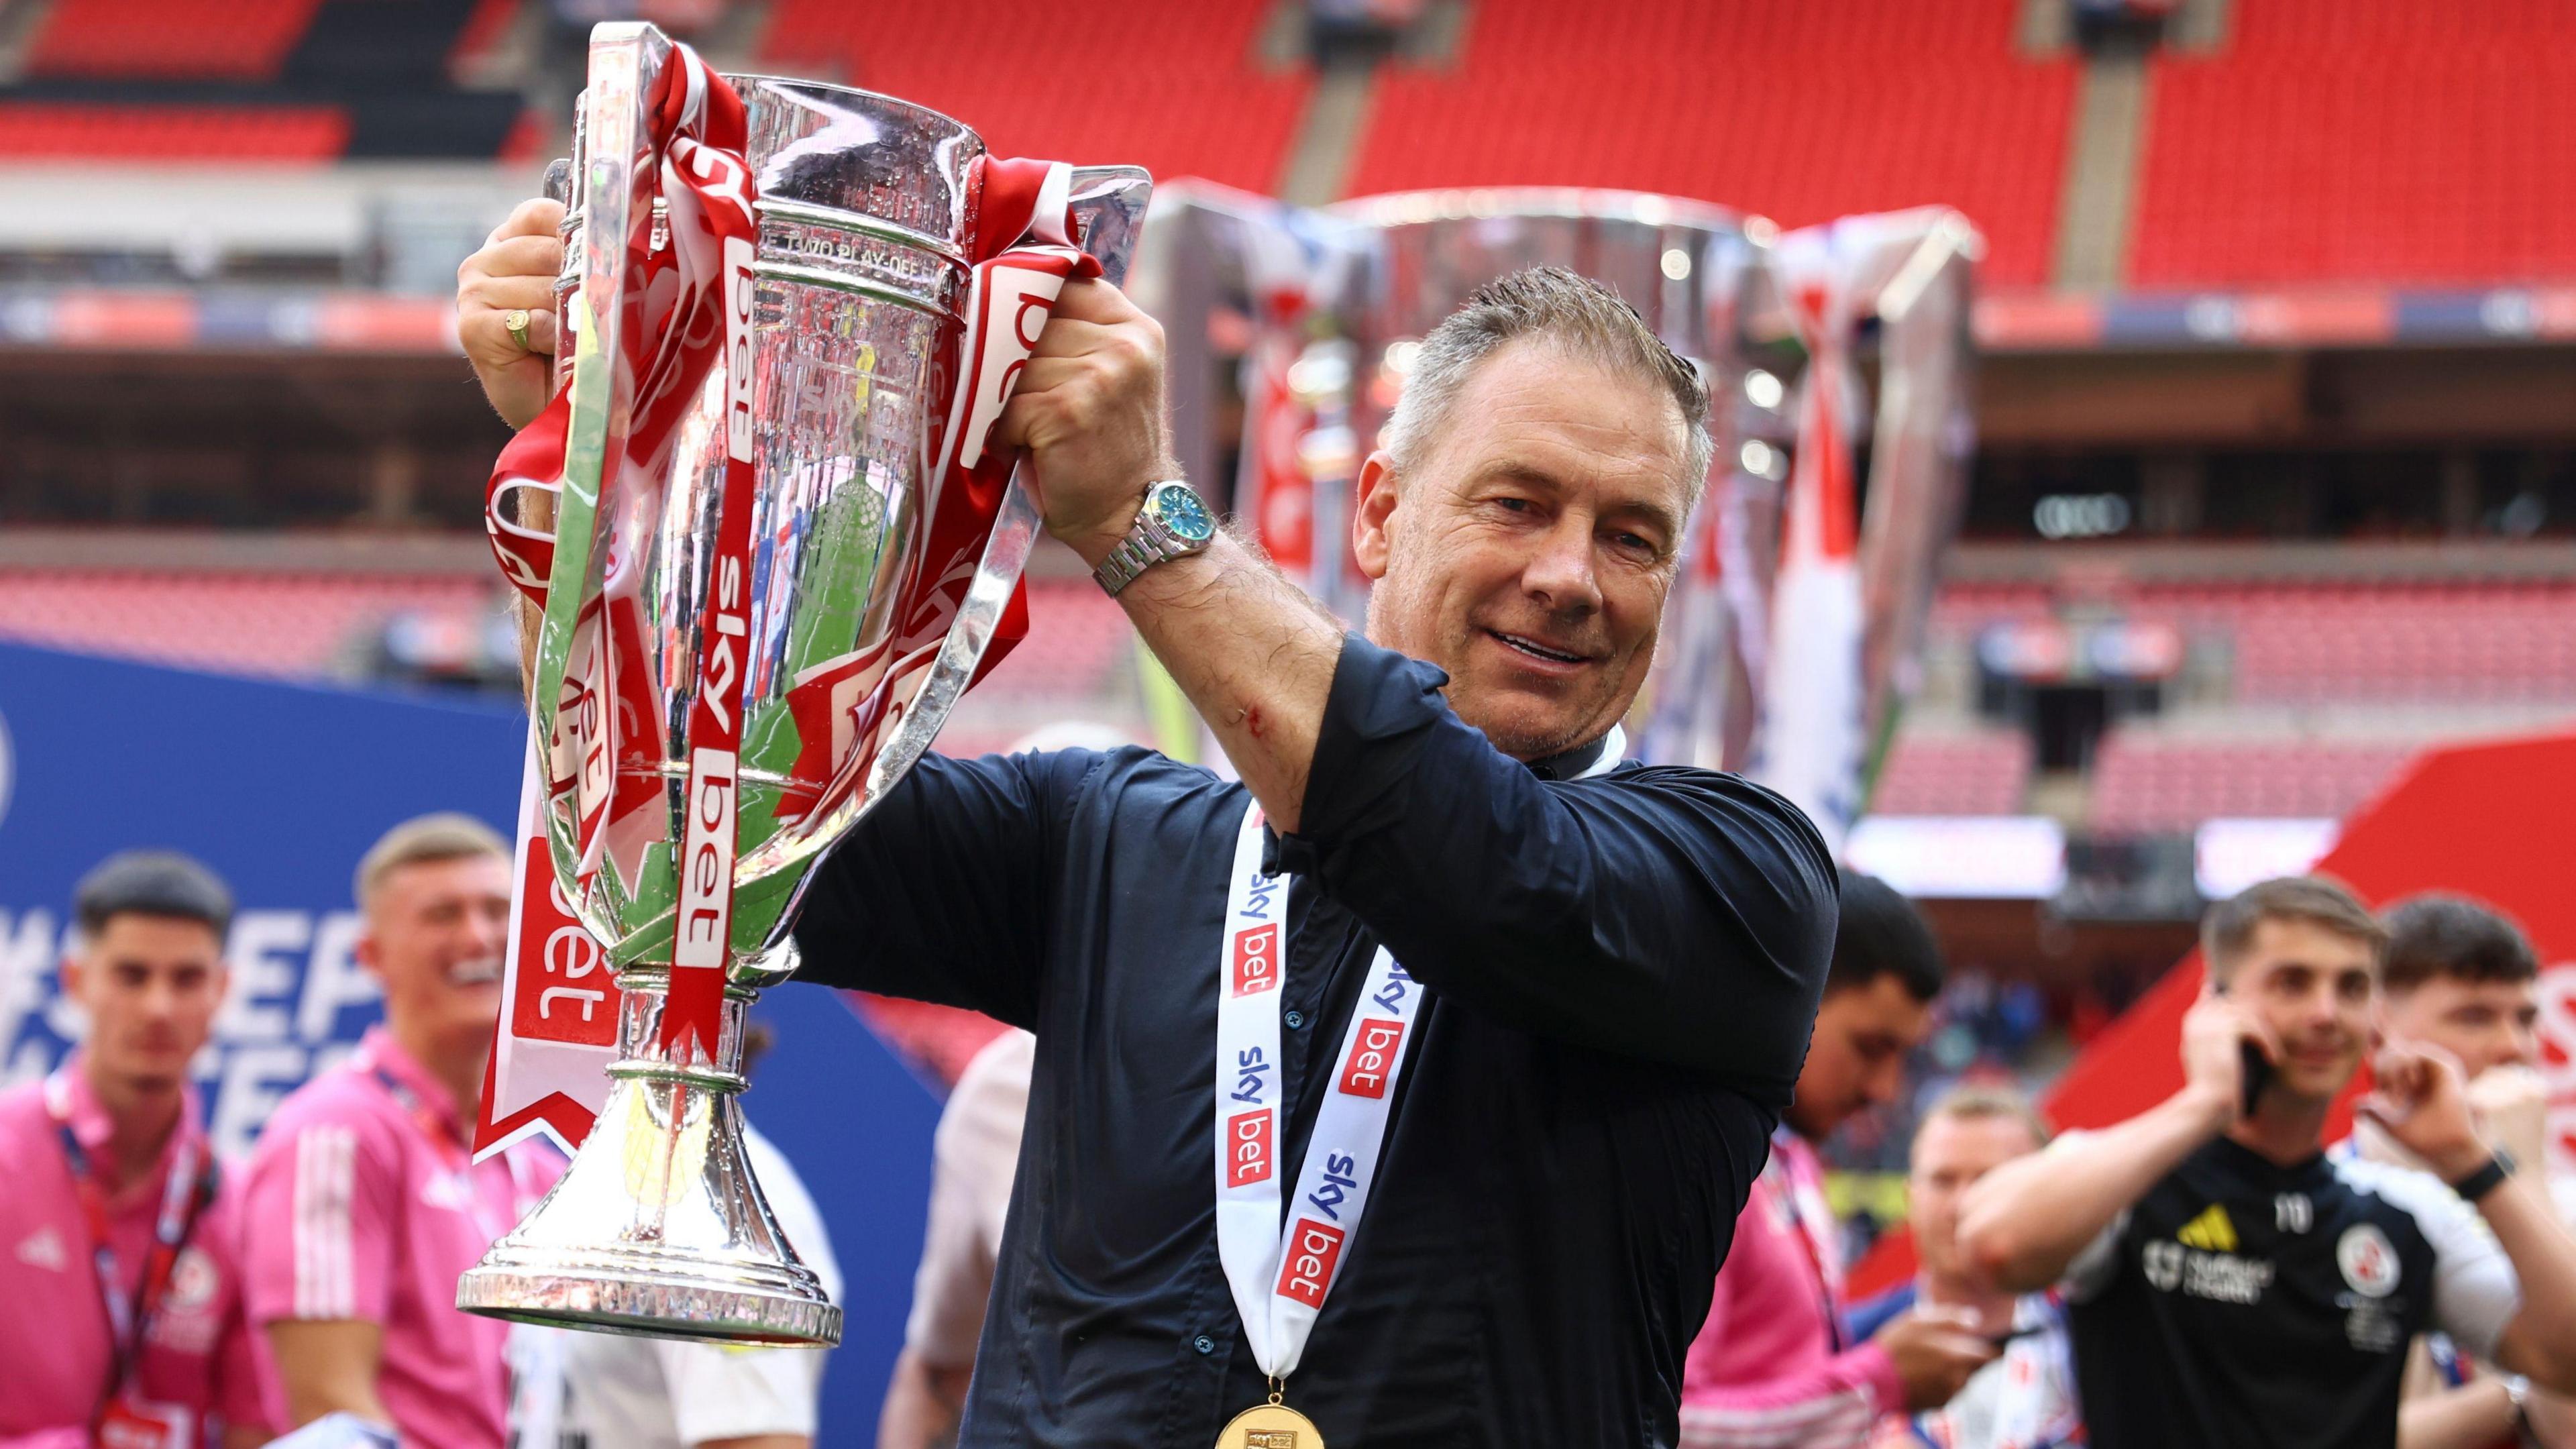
<point>1294,1018</point>
<point>1203,1344</point>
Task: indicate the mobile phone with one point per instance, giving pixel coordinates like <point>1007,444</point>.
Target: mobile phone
<point>2257,1074</point>
<point>2254,1071</point>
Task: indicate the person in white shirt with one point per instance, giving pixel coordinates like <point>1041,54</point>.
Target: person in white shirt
<point>618,1391</point>
<point>975,1157</point>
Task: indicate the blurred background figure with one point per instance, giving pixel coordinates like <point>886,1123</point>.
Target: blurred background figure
<point>977,1156</point>
<point>2460,976</point>
<point>2025,1399</point>
<point>1776,1364</point>
<point>612,1391</point>
<point>121,1288</point>
<point>364,1205</point>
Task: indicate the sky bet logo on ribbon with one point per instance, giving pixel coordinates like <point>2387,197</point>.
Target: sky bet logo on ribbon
<point>1373,1049</point>
<point>1312,1255</point>
<point>1256,960</point>
<point>1249,1134</point>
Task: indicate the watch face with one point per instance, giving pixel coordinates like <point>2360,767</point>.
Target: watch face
<point>1179,510</point>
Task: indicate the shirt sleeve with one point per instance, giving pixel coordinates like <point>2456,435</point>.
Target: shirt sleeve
<point>735,1393</point>
<point>2475,1290</point>
<point>1675,914</point>
<point>1836,1403</point>
<point>940,894</point>
<point>319,1220</point>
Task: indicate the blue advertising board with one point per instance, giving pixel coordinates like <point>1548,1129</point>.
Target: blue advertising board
<point>280,788</point>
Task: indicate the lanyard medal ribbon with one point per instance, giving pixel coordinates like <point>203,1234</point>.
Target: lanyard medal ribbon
<point>1281,1265</point>
<point>190,1186</point>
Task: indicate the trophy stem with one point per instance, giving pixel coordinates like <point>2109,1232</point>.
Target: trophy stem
<point>658,1227</point>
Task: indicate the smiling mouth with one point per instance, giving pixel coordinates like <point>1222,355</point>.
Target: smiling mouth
<point>474,973</point>
<point>1536,650</point>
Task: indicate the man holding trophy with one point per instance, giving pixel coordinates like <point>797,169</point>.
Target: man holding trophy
<point>1406,1091</point>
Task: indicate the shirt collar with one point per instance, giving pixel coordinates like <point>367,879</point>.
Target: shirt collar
<point>1571,764</point>
<point>68,1092</point>
<point>378,1051</point>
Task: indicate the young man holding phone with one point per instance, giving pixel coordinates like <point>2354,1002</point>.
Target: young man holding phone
<point>2231,1284</point>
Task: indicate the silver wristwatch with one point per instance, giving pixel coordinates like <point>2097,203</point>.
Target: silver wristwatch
<point>1172,523</point>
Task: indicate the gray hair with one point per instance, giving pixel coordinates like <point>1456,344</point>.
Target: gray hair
<point>1576,313</point>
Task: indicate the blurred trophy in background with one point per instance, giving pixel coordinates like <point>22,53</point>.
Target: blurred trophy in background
<point>778,551</point>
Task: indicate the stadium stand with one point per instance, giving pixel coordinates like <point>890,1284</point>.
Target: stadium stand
<point>1136,83</point>
<point>1983,773</point>
<point>2144,783</point>
<point>2359,642</point>
<point>277,626</point>
<point>244,40</point>
<point>70,130</point>
<point>1797,111</point>
<point>2400,143</point>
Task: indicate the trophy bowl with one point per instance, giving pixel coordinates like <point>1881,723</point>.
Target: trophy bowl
<point>866,216</point>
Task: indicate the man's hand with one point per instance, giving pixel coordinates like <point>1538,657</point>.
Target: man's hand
<point>2213,1059</point>
<point>515,271</point>
<point>1936,1351</point>
<point>2423,1102</point>
<point>1089,408</point>
<point>2511,1106</point>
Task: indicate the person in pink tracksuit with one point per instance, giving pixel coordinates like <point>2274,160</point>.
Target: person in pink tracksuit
<point>1772,1365</point>
<point>124,1322</point>
<point>364,1207</point>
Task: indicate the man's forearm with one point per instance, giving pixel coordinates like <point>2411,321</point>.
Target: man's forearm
<point>2541,1340</point>
<point>2472,1416</point>
<point>2026,1220</point>
<point>1254,654</point>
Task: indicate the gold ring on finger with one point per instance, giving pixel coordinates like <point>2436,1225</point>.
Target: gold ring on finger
<point>515,322</point>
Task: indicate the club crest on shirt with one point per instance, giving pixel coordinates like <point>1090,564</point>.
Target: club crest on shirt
<point>2368,1260</point>
<point>193,1281</point>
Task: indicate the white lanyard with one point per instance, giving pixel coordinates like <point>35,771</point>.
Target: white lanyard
<point>1279,1267</point>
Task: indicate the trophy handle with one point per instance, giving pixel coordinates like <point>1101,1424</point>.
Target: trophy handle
<point>1109,213</point>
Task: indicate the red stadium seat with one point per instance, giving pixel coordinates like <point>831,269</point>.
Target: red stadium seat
<point>1976,774</point>
<point>281,626</point>
<point>1168,86</point>
<point>66,130</point>
<point>1795,110</point>
<point>192,39</point>
<point>2146,783</point>
<point>2382,141</point>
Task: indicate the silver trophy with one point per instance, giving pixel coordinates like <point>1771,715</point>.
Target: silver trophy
<point>867,206</point>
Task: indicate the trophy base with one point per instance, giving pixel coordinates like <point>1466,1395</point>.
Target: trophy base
<point>659,1228</point>
<point>651,1303</point>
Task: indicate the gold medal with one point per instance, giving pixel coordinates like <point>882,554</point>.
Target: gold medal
<point>1270,1426</point>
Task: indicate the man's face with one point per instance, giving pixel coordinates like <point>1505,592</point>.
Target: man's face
<point>1856,1059</point>
<point>1951,1152</point>
<point>2315,988</point>
<point>2483,1023</point>
<point>435,935</point>
<point>151,985</point>
<point>1529,550</point>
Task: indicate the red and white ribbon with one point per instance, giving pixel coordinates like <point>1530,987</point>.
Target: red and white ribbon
<point>687,300</point>
<point>846,706</point>
<point>1281,1268</point>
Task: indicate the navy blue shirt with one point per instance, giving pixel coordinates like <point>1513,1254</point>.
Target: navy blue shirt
<point>1622,974</point>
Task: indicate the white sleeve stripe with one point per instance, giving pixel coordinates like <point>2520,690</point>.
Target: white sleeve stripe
<point>1843,1418</point>
<point>325,1266</point>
